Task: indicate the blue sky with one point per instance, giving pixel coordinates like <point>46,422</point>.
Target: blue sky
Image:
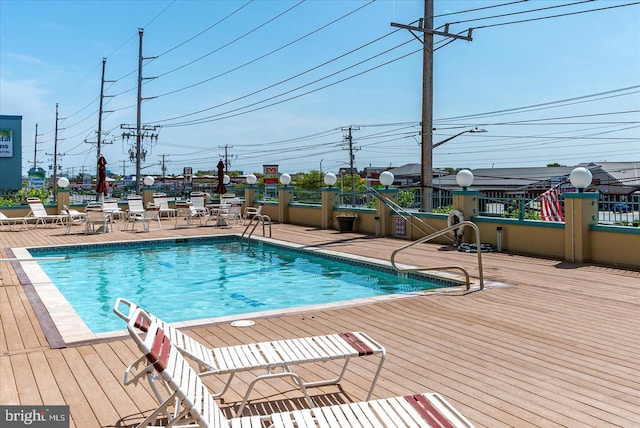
<point>278,81</point>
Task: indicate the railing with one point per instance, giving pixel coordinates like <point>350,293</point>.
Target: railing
<point>435,235</point>
<point>622,210</point>
<point>522,206</point>
<point>404,214</point>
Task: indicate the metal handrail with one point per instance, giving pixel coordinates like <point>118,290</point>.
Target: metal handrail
<point>402,212</point>
<point>435,235</point>
<point>260,218</point>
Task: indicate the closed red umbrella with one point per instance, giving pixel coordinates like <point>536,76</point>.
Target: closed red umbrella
<point>101,186</point>
<point>221,190</point>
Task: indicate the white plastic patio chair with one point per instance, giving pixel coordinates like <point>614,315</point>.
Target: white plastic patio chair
<point>111,206</point>
<point>186,400</point>
<point>97,220</point>
<point>161,200</point>
<point>199,201</point>
<point>186,210</point>
<point>73,217</point>
<point>135,205</point>
<point>150,214</point>
<point>276,357</point>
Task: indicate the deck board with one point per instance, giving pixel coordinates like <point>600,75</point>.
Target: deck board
<point>558,347</point>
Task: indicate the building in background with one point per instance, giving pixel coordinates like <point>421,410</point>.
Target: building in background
<point>10,153</point>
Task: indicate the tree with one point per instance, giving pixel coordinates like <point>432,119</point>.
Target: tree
<point>312,180</point>
<point>549,165</point>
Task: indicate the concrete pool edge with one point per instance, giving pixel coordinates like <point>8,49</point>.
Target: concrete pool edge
<point>64,327</point>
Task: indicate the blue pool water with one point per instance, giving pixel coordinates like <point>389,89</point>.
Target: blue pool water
<point>181,280</point>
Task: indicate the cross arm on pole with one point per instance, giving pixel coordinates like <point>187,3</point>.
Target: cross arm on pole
<point>445,33</point>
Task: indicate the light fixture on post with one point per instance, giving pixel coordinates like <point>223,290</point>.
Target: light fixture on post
<point>285,179</point>
<point>63,182</point>
<point>580,178</point>
<point>464,178</point>
<point>330,179</point>
<point>474,130</point>
<point>251,179</point>
<point>226,179</point>
<point>148,181</point>
<point>386,179</point>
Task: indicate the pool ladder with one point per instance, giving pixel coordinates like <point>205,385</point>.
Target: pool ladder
<point>263,219</point>
<point>437,233</point>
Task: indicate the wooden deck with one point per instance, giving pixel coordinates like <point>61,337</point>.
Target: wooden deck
<point>560,347</point>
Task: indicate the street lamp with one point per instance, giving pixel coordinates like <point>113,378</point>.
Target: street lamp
<point>330,179</point>
<point>580,178</point>
<point>464,178</point>
<point>386,179</point>
<point>471,131</point>
<point>251,179</point>
<point>285,179</point>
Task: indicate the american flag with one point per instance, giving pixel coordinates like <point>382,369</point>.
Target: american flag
<point>550,205</point>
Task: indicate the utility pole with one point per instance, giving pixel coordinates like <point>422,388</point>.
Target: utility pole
<point>101,111</point>
<point>352,158</point>
<point>227,164</point>
<point>35,150</point>
<point>140,130</point>
<point>164,167</point>
<point>426,27</point>
<point>124,164</point>
<point>55,156</point>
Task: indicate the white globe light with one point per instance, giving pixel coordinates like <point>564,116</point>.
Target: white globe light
<point>464,178</point>
<point>63,182</point>
<point>226,179</point>
<point>148,181</point>
<point>330,179</point>
<point>386,178</point>
<point>285,179</point>
<point>251,179</point>
<point>580,178</point>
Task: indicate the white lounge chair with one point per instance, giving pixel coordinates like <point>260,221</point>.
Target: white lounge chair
<point>12,221</point>
<point>275,355</point>
<point>39,213</point>
<point>188,402</point>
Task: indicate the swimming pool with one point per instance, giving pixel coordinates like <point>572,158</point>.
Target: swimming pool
<point>188,279</point>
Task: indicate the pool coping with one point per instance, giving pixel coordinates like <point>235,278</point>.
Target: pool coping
<point>63,326</point>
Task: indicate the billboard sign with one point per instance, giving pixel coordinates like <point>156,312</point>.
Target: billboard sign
<point>270,174</point>
<point>6,143</point>
<point>36,178</point>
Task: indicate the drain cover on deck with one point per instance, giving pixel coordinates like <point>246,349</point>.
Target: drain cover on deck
<point>242,323</point>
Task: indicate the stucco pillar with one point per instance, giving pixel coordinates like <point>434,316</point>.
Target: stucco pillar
<point>467,202</point>
<point>63,198</point>
<point>250,196</point>
<point>580,212</point>
<point>147,195</point>
<point>285,194</point>
<point>385,225</point>
<point>329,202</point>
